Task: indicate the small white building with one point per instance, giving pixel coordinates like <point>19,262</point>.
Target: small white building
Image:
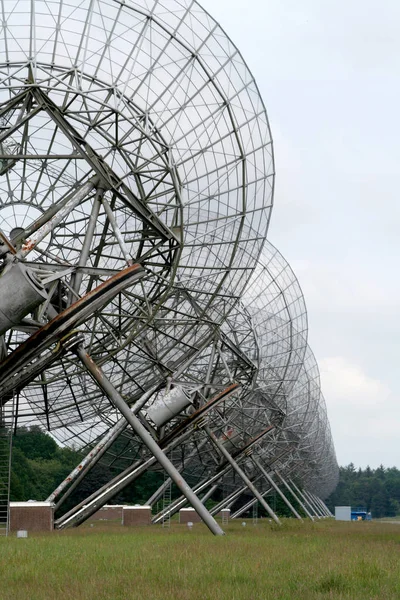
<point>343,513</point>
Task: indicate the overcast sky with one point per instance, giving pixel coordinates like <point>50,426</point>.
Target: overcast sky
<point>329,75</point>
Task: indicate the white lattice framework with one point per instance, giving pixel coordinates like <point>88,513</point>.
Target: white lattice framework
<point>136,187</point>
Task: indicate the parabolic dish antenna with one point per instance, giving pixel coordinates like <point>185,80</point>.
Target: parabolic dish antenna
<point>136,175</point>
<point>131,133</point>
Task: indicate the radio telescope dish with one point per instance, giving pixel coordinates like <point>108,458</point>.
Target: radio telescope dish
<point>136,180</point>
<point>126,131</point>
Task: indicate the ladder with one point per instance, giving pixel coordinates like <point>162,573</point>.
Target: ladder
<point>6,430</point>
<point>167,497</point>
<point>166,501</point>
<point>224,513</point>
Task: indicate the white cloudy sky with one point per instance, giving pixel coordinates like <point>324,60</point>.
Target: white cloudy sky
<point>328,73</point>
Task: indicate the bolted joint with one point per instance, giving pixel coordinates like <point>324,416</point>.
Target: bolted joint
<point>201,423</point>
<point>70,342</point>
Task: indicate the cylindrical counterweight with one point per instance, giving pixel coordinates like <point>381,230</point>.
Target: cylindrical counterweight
<point>167,407</point>
<point>20,294</point>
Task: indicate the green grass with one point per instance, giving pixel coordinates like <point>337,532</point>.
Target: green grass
<point>303,561</point>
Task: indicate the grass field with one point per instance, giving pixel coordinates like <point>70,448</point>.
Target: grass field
<point>300,561</point>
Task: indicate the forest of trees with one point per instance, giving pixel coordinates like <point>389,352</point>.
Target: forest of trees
<point>376,489</point>
<point>39,465</point>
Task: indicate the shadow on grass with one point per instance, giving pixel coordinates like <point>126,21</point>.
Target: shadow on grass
<point>334,582</point>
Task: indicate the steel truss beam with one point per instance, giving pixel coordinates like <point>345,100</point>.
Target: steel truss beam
<point>221,448</point>
<point>13,375</point>
<point>314,504</point>
<point>135,145</point>
<point>81,470</point>
<point>309,515</point>
<point>249,504</point>
<point>229,500</point>
<point>108,178</point>
<point>99,377</point>
<point>276,488</point>
<point>305,500</point>
<point>323,505</point>
<point>109,490</point>
<point>222,470</point>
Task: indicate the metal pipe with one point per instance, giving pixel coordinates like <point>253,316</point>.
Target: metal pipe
<point>117,232</point>
<point>241,474</point>
<point>76,476</point>
<point>276,488</point>
<point>304,498</point>
<point>77,277</point>
<point>319,502</point>
<point>90,459</point>
<point>159,492</point>
<point>130,474</point>
<point>226,502</point>
<point>148,440</point>
<point>324,506</point>
<point>317,508</point>
<point>200,487</point>
<point>208,495</point>
<point>204,484</point>
<point>48,227</point>
<point>309,515</point>
<point>90,505</point>
<point>107,491</point>
<point>83,511</point>
<point>249,504</point>
<point>181,501</point>
<point>236,495</point>
<point>40,156</point>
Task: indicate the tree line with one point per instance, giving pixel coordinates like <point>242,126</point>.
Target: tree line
<point>39,464</point>
<point>378,490</point>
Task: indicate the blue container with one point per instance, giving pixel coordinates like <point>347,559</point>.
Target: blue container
<point>360,514</point>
